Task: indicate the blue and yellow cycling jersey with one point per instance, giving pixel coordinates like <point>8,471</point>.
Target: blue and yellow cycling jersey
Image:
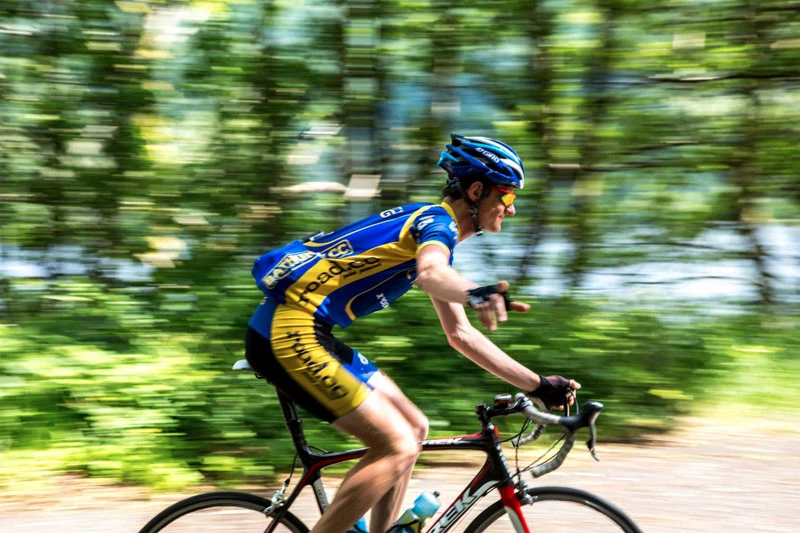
<point>357,269</point>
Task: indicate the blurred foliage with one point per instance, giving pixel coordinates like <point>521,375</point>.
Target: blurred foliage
<point>150,150</point>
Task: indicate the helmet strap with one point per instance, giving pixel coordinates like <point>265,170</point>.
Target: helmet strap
<point>473,206</point>
<point>473,212</point>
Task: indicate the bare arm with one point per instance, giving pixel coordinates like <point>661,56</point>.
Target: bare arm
<point>436,277</point>
<point>479,349</point>
<point>447,290</point>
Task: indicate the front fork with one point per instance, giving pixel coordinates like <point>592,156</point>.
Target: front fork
<point>522,493</point>
<point>513,498</point>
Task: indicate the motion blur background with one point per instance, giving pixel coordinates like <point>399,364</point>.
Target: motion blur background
<point>149,151</point>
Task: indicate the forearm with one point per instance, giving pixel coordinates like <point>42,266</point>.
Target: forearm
<point>484,353</point>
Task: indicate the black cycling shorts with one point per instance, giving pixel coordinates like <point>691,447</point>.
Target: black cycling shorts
<point>306,362</point>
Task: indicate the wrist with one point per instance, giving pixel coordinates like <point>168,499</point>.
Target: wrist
<point>471,299</point>
<point>543,382</point>
<point>478,295</point>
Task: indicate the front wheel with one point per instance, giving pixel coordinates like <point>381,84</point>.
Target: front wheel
<point>221,512</point>
<point>556,509</point>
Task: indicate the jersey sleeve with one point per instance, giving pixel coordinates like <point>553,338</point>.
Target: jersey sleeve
<point>435,226</point>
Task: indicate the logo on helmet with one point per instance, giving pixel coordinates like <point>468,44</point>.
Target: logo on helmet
<point>488,154</point>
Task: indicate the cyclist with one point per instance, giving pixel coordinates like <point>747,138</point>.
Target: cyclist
<point>330,279</point>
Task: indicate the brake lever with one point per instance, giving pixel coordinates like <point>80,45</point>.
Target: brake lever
<point>574,401</point>
<point>591,442</point>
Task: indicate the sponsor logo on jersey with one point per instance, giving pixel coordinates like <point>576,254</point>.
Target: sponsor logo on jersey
<point>383,300</point>
<point>423,221</point>
<point>338,250</point>
<point>343,269</point>
<point>316,371</point>
<point>293,261</point>
<point>285,267</point>
<point>390,212</point>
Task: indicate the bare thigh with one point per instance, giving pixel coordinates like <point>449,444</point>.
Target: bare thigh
<point>388,389</point>
<point>377,423</point>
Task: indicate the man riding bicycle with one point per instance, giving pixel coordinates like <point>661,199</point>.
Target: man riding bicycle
<point>331,279</point>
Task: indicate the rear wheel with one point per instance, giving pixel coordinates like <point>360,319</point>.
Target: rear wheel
<point>221,512</point>
<point>557,509</point>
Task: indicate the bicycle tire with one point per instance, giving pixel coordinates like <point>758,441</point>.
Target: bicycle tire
<point>220,512</point>
<point>555,509</point>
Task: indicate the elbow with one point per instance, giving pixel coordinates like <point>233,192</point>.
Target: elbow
<point>426,280</point>
<point>454,341</point>
<point>460,338</point>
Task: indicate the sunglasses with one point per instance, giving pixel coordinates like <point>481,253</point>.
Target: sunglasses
<point>507,196</point>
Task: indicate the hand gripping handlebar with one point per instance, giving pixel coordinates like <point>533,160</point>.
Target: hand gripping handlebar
<point>569,424</point>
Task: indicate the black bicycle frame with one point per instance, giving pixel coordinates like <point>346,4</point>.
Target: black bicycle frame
<point>494,473</point>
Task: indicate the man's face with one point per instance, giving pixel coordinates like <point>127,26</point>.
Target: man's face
<point>493,208</point>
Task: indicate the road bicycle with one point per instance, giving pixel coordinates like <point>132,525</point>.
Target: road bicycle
<point>519,509</point>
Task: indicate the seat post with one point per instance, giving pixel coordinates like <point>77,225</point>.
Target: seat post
<point>294,424</point>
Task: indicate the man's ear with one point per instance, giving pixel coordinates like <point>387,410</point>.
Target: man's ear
<point>474,191</point>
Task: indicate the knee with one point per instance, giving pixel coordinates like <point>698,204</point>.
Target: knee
<point>418,423</point>
<point>405,453</point>
<point>421,428</point>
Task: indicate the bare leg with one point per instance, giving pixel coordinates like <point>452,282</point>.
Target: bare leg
<point>393,450</point>
<point>385,512</point>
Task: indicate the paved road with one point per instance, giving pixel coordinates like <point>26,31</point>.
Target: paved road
<point>705,478</point>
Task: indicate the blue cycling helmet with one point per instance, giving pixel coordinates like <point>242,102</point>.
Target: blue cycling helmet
<point>468,156</point>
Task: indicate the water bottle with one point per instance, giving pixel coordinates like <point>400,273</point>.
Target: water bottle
<point>360,527</point>
<point>425,506</point>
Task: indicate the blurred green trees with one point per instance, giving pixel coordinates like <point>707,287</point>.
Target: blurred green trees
<point>149,151</point>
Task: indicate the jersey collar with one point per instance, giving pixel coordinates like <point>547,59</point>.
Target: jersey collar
<point>452,214</point>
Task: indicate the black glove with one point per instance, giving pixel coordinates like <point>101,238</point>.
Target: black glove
<point>478,295</point>
<point>553,390</point>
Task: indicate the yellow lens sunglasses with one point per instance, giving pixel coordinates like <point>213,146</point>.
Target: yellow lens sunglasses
<point>507,195</point>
